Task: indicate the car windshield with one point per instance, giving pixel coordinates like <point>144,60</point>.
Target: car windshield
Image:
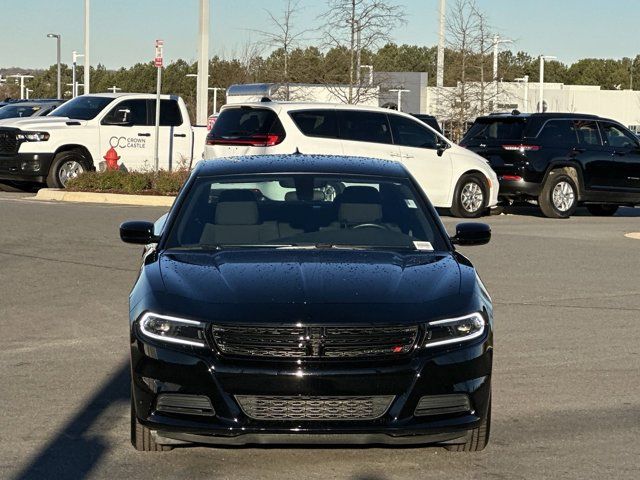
<point>305,211</point>
<point>82,108</point>
<point>17,111</point>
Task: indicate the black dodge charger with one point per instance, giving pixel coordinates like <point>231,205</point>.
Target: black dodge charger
<point>305,299</point>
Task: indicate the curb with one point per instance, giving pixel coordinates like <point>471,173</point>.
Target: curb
<point>60,195</point>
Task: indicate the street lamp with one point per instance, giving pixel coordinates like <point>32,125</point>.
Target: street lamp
<point>496,44</point>
<point>27,92</point>
<point>21,78</point>
<point>370,67</point>
<point>525,81</point>
<point>74,84</point>
<point>114,89</point>
<point>400,92</point>
<point>540,93</point>
<point>57,37</point>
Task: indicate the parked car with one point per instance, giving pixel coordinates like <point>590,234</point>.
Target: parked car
<point>453,177</point>
<point>561,160</point>
<point>77,135</point>
<point>429,120</point>
<point>308,299</point>
<point>29,108</point>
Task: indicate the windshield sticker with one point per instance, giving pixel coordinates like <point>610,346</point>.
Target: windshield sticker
<point>410,203</point>
<point>426,246</point>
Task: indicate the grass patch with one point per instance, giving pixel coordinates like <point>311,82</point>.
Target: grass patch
<point>133,183</point>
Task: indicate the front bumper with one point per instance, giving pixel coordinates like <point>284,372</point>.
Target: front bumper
<point>158,369</point>
<point>28,167</point>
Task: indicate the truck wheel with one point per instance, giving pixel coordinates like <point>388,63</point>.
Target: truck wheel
<point>602,209</point>
<point>559,196</point>
<point>470,198</point>
<point>65,166</point>
<point>479,436</point>
<point>141,437</point>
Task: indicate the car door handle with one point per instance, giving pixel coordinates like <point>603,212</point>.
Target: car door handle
<point>144,134</point>
<point>619,154</point>
<point>180,135</point>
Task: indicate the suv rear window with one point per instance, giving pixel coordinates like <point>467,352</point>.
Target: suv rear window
<point>496,129</point>
<point>245,122</point>
<point>316,123</point>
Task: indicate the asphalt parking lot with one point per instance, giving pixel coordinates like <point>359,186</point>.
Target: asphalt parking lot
<point>566,399</point>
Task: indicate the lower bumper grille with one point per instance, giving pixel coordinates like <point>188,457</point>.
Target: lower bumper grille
<point>314,408</point>
<point>315,342</point>
<point>189,404</point>
<point>443,404</point>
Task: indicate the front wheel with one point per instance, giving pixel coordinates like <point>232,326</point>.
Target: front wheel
<point>479,436</point>
<point>602,210</point>
<point>66,166</point>
<point>559,197</point>
<point>141,437</point>
<point>470,197</point>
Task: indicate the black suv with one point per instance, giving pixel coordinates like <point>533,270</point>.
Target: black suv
<point>561,160</point>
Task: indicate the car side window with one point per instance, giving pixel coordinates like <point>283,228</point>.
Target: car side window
<point>363,126</point>
<point>409,133</point>
<point>558,132</point>
<point>316,123</point>
<point>587,131</point>
<point>170,115</point>
<point>128,112</point>
<point>616,137</point>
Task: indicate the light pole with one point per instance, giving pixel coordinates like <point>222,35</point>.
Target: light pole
<point>74,84</point>
<point>440,60</point>
<point>525,81</point>
<point>87,63</point>
<point>496,45</point>
<point>203,65</point>
<point>215,97</point>
<point>57,37</point>
<point>370,67</point>
<point>27,92</point>
<point>114,89</point>
<point>541,93</point>
<point>21,77</point>
<point>400,92</point>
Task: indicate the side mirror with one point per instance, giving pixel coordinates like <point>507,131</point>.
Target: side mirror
<point>472,233</point>
<point>441,147</point>
<point>137,232</point>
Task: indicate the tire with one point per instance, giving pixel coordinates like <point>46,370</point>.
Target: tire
<point>559,196</point>
<point>66,165</point>
<point>479,438</point>
<point>602,209</point>
<point>141,438</point>
<point>470,197</point>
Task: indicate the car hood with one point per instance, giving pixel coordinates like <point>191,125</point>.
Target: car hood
<point>39,123</point>
<point>299,283</point>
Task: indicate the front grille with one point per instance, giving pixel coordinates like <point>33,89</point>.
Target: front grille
<point>314,342</point>
<point>8,142</point>
<point>314,408</point>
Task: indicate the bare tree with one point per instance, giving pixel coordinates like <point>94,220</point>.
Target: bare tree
<point>470,40</point>
<point>286,37</point>
<point>356,26</point>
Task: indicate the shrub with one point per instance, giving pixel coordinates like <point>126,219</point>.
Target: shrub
<point>140,183</point>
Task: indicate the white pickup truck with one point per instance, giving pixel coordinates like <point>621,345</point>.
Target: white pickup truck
<point>76,137</point>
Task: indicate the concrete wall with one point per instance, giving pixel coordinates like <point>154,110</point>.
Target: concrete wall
<point>414,101</point>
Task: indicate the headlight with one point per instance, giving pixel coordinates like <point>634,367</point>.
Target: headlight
<point>172,329</point>
<point>454,330</point>
<point>33,136</point>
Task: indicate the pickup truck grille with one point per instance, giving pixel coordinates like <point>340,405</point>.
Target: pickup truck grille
<point>314,342</point>
<point>314,408</point>
<point>8,142</point>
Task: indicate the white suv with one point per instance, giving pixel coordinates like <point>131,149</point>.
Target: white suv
<point>451,176</point>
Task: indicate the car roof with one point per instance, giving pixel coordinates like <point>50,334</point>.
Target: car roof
<point>299,163</point>
<point>542,116</point>
<point>287,106</point>
<point>33,103</point>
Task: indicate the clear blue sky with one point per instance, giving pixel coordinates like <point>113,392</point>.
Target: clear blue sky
<point>123,32</point>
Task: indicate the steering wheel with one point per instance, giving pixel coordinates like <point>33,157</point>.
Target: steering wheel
<point>371,225</point>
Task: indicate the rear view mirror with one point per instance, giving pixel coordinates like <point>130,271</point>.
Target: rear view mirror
<point>137,232</point>
<point>472,233</point>
<point>441,147</point>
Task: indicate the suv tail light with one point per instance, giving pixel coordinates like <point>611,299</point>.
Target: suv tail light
<point>256,140</point>
<point>522,148</point>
